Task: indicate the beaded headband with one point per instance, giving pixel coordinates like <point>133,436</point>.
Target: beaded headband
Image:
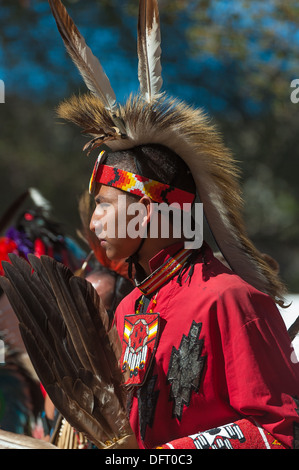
<point>139,185</point>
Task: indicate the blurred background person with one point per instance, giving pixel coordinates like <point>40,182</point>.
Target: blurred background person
<point>30,231</point>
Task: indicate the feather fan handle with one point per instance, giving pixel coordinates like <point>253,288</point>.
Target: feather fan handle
<point>88,65</point>
<point>149,49</point>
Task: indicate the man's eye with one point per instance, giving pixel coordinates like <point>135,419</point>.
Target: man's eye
<point>99,202</point>
<point>102,207</point>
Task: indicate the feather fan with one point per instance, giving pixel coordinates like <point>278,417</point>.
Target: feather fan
<point>149,49</point>
<point>64,327</point>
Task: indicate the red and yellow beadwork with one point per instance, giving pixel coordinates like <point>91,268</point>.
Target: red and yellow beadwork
<point>139,185</point>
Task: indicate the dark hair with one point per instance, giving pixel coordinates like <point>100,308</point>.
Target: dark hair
<point>156,162</point>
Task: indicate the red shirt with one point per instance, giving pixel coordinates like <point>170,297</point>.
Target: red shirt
<point>222,354</point>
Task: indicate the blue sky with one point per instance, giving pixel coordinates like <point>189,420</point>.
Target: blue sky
<point>25,73</point>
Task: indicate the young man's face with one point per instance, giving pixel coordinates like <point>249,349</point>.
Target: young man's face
<point>110,220</point>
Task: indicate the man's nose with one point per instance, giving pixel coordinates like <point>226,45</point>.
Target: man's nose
<point>92,224</point>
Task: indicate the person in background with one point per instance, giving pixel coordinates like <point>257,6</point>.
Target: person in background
<point>31,231</point>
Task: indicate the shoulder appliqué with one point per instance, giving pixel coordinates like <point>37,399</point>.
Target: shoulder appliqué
<point>185,369</point>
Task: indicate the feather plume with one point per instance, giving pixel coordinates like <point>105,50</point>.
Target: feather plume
<point>64,328</point>
<point>88,65</point>
<point>39,200</point>
<point>149,49</point>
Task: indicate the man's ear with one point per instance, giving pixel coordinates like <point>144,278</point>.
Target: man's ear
<point>149,208</point>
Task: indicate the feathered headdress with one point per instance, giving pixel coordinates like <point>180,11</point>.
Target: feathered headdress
<point>152,117</point>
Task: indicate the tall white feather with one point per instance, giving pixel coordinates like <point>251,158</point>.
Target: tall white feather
<point>149,49</point>
<point>88,65</point>
<point>39,200</point>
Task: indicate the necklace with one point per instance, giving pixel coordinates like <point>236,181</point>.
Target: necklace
<point>140,306</point>
<point>164,273</point>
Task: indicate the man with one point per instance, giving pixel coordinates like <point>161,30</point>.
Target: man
<point>214,358</point>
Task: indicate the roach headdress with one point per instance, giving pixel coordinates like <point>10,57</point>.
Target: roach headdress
<point>152,117</point>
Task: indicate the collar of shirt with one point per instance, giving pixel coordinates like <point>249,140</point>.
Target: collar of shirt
<point>164,265</point>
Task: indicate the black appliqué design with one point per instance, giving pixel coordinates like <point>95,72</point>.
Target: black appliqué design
<point>147,401</point>
<point>185,369</point>
<point>219,438</point>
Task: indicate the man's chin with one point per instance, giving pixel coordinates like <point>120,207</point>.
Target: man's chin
<point>111,253</point>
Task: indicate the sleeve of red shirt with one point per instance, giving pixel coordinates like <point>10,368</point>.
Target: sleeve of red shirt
<point>261,372</point>
<point>262,376</point>
<point>243,434</point>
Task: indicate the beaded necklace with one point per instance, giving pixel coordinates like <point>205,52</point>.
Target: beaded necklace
<point>141,304</point>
